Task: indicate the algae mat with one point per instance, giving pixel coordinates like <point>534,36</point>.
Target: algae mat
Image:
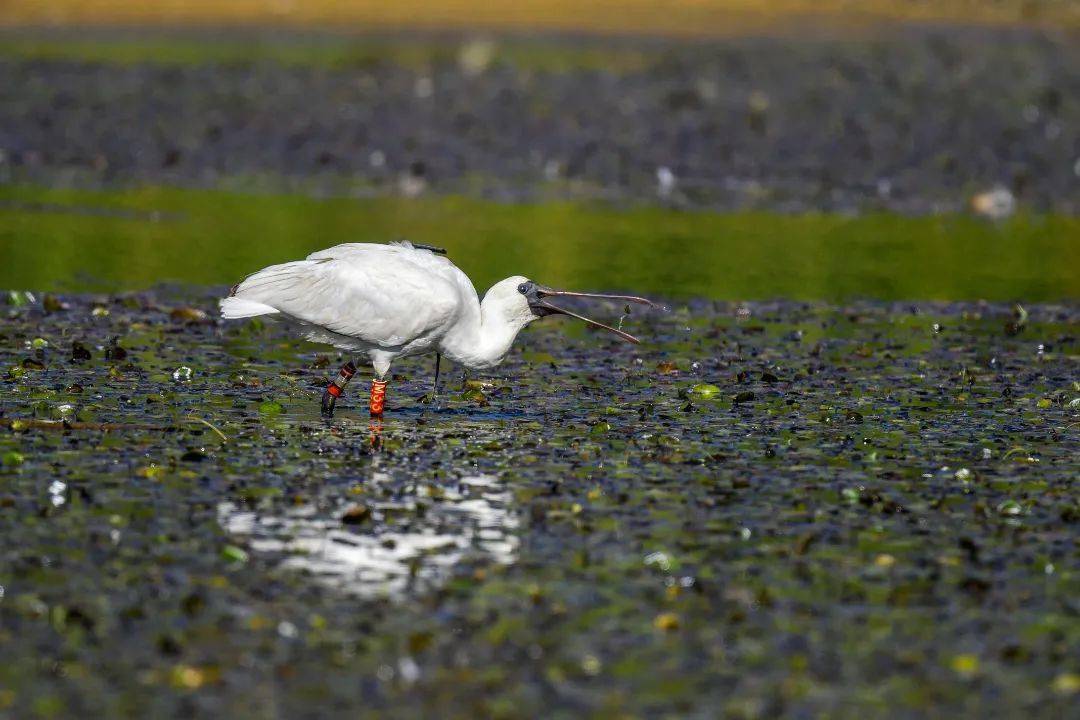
<point>767,509</point>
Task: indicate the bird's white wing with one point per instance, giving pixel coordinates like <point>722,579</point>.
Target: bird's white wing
<point>385,295</point>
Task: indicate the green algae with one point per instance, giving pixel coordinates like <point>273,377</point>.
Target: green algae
<point>147,236</point>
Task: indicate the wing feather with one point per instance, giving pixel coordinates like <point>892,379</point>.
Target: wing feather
<point>385,295</point>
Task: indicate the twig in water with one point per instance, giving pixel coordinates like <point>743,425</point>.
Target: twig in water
<point>192,418</point>
<point>65,425</point>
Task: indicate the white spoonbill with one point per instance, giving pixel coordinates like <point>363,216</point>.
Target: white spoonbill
<point>391,301</point>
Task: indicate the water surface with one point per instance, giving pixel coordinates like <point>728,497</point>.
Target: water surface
<point>76,240</point>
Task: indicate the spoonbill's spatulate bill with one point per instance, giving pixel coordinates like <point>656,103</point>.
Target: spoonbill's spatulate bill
<point>383,302</point>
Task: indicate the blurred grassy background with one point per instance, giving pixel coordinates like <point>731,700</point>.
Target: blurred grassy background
<point>677,17</point>
<point>151,235</point>
<point>52,238</point>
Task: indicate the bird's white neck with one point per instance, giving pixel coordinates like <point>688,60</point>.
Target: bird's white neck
<point>482,339</point>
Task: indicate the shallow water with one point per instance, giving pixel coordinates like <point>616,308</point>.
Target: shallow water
<point>141,238</point>
<point>766,508</point>
<point>829,508</point>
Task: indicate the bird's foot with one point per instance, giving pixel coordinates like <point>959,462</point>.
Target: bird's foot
<point>328,402</point>
<point>335,388</point>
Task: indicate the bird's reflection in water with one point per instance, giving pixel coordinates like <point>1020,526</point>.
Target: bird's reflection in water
<point>375,428</point>
<point>399,543</point>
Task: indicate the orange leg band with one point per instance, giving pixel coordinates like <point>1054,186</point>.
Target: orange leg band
<point>378,397</point>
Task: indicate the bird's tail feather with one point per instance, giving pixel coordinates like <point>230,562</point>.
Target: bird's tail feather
<point>252,296</point>
<point>234,308</point>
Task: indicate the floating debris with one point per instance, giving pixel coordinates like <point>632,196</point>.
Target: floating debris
<point>995,204</point>
<point>188,315</point>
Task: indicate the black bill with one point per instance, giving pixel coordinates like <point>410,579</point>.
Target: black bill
<point>538,301</point>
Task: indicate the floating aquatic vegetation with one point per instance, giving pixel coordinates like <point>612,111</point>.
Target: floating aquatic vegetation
<point>872,497</point>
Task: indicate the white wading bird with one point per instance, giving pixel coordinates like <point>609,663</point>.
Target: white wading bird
<point>390,301</point>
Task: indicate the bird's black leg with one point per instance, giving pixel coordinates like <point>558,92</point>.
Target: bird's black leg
<point>435,392</point>
<point>334,389</point>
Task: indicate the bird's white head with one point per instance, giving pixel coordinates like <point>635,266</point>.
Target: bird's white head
<point>518,301</point>
<point>504,302</point>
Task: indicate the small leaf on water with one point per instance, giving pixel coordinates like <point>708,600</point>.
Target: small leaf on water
<point>743,397</point>
<point>666,367</point>
<point>18,298</point>
<point>12,458</point>
<point>1010,508</point>
<point>188,315</point>
<point>474,395</point>
<point>270,407</point>
<point>705,390</point>
<point>966,665</point>
<point>234,554</point>
<point>666,622</point>
<point>185,676</point>
<point>1067,684</point>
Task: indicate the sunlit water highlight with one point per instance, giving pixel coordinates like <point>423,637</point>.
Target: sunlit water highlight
<point>471,519</point>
